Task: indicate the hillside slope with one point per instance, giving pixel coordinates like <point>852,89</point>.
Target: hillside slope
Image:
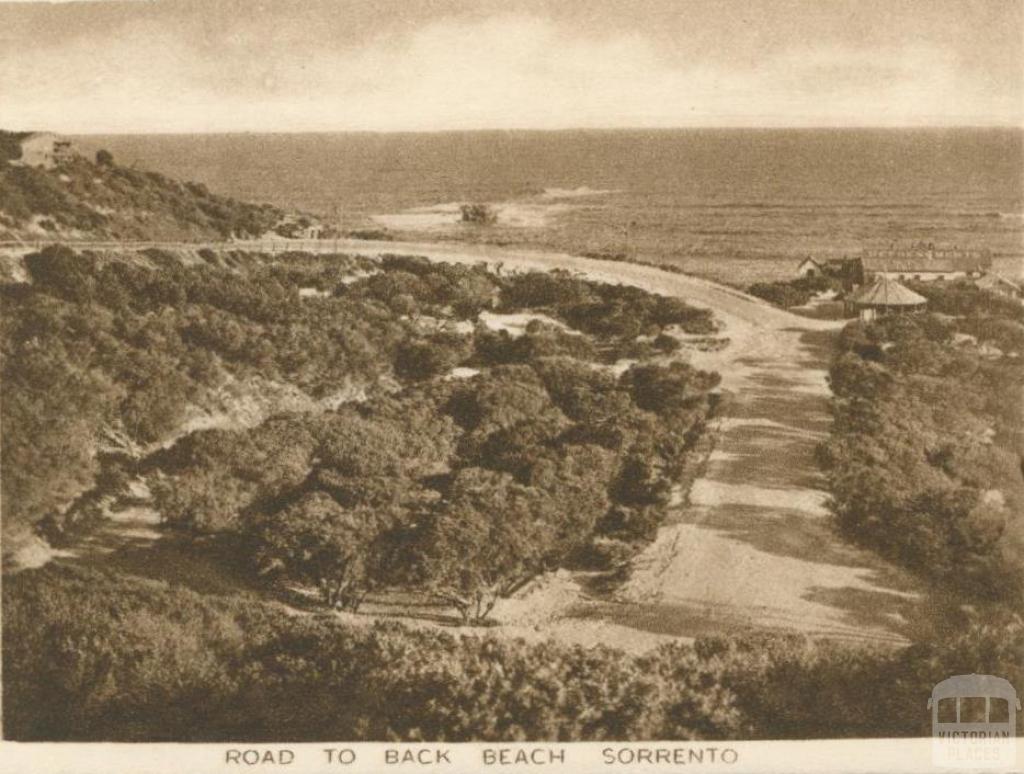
<point>80,198</point>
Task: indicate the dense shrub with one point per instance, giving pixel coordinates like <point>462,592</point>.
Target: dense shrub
<point>481,214</point>
<point>95,349</point>
<point>795,292</point>
<point>91,656</point>
<point>104,200</point>
<point>925,457</point>
<point>964,299</point>
<point>10,145</point>
<point>467,480</point>
<point>614,311</point>
<point>430,358</point>
<point>370,233</point>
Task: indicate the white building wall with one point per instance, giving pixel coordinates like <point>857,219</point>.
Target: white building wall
<point>37,150</point>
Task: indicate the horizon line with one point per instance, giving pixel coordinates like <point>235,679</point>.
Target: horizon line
<point>483,130</point>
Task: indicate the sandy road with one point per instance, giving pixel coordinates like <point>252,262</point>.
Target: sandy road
<point>754,546</point>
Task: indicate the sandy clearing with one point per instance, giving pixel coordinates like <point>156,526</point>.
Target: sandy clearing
<point>461,372</point>
<point>515,324</point>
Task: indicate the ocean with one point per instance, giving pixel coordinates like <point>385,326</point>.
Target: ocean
<point>736,205</point>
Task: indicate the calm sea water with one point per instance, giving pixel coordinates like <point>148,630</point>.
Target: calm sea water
<point>735,204</point>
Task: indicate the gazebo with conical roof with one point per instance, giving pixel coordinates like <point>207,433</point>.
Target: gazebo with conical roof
<point>885,296</point>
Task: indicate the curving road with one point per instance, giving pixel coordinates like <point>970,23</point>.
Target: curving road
<point>753,547</point>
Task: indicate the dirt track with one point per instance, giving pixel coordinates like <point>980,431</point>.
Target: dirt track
<point>753,547</point>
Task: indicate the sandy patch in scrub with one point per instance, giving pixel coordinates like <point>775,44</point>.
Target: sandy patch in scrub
<point>515,324</point>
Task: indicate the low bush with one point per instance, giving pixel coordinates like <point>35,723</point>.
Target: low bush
<point>91,656</point>
<point>480,214</point>
<point>964,299</point>
<point>795,292</point>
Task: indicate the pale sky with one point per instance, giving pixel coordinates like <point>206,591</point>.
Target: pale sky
<point>389,65</point>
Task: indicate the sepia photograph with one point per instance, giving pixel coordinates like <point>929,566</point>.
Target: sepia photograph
<point>466,385</point>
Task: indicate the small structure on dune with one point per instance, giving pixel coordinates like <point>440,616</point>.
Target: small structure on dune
<point>883,297</point>
<point>44,149</point>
